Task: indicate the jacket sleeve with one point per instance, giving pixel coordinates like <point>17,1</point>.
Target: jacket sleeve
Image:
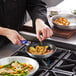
<point>37,9</point>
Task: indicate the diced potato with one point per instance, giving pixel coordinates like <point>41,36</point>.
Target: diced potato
<point>38,50</point>
<point>32,48</point>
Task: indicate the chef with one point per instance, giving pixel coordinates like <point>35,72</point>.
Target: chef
<point>13,16</point>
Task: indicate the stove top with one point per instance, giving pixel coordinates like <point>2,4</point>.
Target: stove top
<point>58,64</point>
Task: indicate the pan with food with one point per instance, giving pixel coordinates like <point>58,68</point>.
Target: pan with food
<point>38,50</point>
<point>64,21</point>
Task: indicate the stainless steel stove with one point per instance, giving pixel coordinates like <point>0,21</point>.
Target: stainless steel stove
<point>61,63</point>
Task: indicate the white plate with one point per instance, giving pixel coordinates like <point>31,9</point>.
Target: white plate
<point>21,59</point>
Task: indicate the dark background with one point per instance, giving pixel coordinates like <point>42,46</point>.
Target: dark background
<point>50,3</point>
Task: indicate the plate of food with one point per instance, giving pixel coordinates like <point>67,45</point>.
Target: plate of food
<point>64,21</point>
<point>18,66</point>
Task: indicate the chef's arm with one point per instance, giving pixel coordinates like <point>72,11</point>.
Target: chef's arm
<point>37,10</point>
<point>3,31</point>
<point>12,35</point>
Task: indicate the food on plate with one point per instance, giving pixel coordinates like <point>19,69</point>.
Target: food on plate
<point>61,21</point>
<point>40,50</point>
<point>15,68</point>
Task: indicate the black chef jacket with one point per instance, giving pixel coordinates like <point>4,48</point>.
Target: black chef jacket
<point>13,12</point>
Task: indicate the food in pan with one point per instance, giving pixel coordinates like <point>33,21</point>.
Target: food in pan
<point>61,21</point>
<point>15,68</point>
<point>40,50</point>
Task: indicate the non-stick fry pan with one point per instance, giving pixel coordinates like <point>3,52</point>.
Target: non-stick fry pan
<point>33,44</point>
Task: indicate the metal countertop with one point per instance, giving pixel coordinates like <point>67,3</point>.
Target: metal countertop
<point>8,50</point>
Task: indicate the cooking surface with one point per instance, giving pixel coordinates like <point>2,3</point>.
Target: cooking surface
<point>61,63</point>
<point>56,65</point>
<point>46,65</point>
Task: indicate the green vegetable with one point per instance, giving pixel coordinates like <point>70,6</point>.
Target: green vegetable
<point>41,43</point>
<point>24,69</point>
<point>22,74</point>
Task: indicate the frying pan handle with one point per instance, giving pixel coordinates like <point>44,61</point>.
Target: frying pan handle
<point>24,41</point>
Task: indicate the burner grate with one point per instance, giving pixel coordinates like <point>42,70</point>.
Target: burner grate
<point>51,73</point>
<point>67,64</point>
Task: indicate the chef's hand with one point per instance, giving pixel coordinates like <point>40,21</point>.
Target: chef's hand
<point>13,36</point>
<point>42,28</point>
